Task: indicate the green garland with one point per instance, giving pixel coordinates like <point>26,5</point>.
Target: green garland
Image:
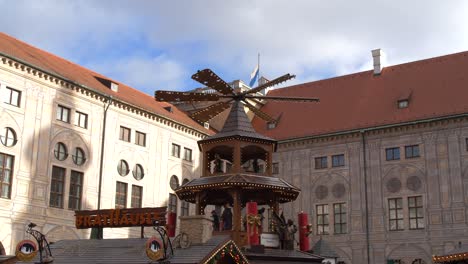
<point>231,249</point>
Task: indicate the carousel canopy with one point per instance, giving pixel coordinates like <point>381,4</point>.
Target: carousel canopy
<point>262,189</point>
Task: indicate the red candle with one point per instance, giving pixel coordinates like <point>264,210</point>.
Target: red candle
<point>303,236</point>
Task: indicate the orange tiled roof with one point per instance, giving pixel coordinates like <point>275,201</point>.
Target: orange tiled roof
<point>74,72</point>
<point>436,87</point>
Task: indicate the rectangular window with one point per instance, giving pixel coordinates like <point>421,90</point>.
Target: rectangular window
<point>6,175</point>
<point>184,208</point>
<point>172,203</point>
<point>275,169</point>
<point>187,154</point>
<point>322,219</point>
<point>321,163</point>
<point>176,150</point>
<point>466,143</point>
<point>63,114</point>
<point>412,151</point>
<point>124,134</point>
<point>338,160</point>
<point>416,214</point>
<point>57,186</point>
<point>339,210</point>
<point>137,194</point>
<point>81,119</point>
<point>76,188</point>
<point>121,195</point>
<point>13,97</point>
<point>140,138</point>
<point>393,153</point>
<point>395,212</point>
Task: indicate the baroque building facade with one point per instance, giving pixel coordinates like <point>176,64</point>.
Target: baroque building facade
<point>382,161</point>
<point>54,149</point>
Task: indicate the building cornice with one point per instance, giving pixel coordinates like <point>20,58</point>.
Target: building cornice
<point>63,82</point>
<point>390,128</point>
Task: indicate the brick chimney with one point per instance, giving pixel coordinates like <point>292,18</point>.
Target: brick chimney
<point>379,59</point>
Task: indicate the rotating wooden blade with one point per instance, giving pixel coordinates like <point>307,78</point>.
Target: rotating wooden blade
<point>210,79</point>
<point>209,112</point>
<point>271,83</point>
<point>259,113</point>
<point>169,96</point>
<point>284,98</point>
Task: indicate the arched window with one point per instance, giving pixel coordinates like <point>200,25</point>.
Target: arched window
<point>138,172</point>
<point>79,156</point>
<point>8,137</point>
<point>60,151</point>
<point>123,168</point>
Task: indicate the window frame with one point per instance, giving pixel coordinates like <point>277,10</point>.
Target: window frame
<point>78,119</point>
<point>321,162</point>
<point>340,218</point>
<point>138,170</point>
<point>3,169</point>
<point>322,228</point>
<point>275,168</point>
<point>78,185</point>
<point>121,194</point>
<point>184,206</point>
<point>173,152</point>
<point>11,91</point>
<point>396,219</point>
<point>59,146</point>
<point>119,168</point>
<point>392,150</point>
<point>59,180</point>
<point>137,198</point>
<point>122,134</point>
<point>413,150</point>
<point>188,150</point>
<point>341,160</point>
<point>138,138</point>
<point>59,115</point>
<point>419,215</point>
<point>77,159</point>
<point>172,203</point>
<point>5,139</point>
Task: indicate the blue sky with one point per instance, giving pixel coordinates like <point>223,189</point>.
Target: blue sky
<point>158,45</point>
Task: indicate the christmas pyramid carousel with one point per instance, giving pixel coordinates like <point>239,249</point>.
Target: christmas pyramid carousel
<point>237,161</point>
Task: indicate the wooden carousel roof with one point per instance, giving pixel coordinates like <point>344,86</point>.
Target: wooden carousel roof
<point>457,255</point>
<point>282,190</point>
<point>237,124</point>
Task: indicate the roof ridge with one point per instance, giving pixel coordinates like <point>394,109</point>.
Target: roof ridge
<point>48,53</point>
<point>436,59</point>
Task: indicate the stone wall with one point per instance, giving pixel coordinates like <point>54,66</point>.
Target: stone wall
<point>199,228</point>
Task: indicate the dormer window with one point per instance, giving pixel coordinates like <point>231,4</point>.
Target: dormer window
<point>403,103</point>
<point>271,125</point>
<point>168,108</point>
<point>114,87</point>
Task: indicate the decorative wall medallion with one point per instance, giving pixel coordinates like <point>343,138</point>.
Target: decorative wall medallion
<point>338,190</point>
<point>413,183</point>
<point>321,192</point>
<point>394,185</point>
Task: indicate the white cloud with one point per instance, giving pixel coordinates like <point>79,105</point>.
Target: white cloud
<point>303,37</point>
<point>159,73</point>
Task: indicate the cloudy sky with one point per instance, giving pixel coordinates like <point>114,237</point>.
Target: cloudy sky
<point>158,45</point>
